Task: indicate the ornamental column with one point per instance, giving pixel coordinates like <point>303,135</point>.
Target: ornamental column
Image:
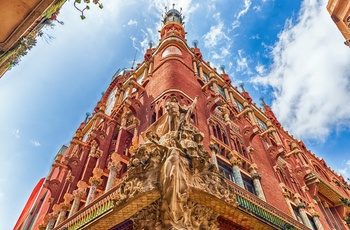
<point>94,181</point>
<point>304,218</point>
<point>201,75</point>
<point>121,95</point>
<point>250,113</point>
<point>78,194</point>
<point>64,206</point>
<point>236,163</point>
<point>52,217</point>
<point>256,181</point>
<point>273,132</point>
<point>214,82</point>
<point>195,67</point>
<point>315,218</point>
<point>145,72</point>
<point>213,151</point>
<point>150,67</point>
<point>227,95</point>
<point>114,166</point>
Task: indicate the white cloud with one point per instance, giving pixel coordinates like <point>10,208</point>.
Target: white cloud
<point>345,171</point>
<point>35,143</point>
<point>310,75</point>
<point>216,33</point>
<point>2,195</point>
<point>260,69</point>
<point>132,22</point>
<point>242,63</point>
<point>16,133</point>
<point>247,4</point>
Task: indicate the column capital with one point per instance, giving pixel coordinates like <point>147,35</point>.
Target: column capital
<point>256,176</point>
<point>96,178</point>
<point>116,165</point>
<point>214,147</point>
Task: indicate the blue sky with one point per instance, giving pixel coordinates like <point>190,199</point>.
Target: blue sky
<point>289,52</point>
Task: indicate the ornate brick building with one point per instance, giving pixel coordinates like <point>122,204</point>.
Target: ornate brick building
<point>340,13</point>
<point>173,145</point>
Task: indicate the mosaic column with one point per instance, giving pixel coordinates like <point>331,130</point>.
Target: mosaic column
<point>51,221</point>
<point>236,162</point>
<point>256,181</point>
<point>53,217</point>
<point>94,181</point>
<point>213,150</point>
<point>305,219</point>
<point>315,218</point>
<point>78,194</point>
<point>114,166</point>
<point>65,205</point>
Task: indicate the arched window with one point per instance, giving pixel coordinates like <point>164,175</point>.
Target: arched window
<point>160,112</point>
<point>154,117</point>
<point>239,147</point>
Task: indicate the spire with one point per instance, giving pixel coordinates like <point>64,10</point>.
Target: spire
<point>172,24</point>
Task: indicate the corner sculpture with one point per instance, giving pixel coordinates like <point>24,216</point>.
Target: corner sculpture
<point>173,160</point>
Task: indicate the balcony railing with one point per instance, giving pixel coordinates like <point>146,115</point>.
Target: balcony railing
<point>252,204</point>
<point>98,208</point>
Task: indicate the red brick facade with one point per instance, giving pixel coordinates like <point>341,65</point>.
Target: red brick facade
<point>278,182</point>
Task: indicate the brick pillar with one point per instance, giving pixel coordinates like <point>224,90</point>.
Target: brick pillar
<point>94,181</point>
<point>114,166</point>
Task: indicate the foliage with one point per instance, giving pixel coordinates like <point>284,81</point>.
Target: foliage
<point>87,7</point>
<point>53,10</point>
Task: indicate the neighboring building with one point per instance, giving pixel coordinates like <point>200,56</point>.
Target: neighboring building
<point>173,145</point>
<point>340,13</point>
<point>21,22</point>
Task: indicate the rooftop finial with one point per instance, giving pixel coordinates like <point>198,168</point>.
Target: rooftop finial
<point>262,101</point>
<point>173,5</point>
<point>133,62</point>
<point>87,116</point>
<point>242,87</point>
<point>150,44</point>
<point>222,67</point>
<point>195,43</point>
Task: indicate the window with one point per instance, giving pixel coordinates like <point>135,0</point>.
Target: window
<point>297,214</point>
<point>331,215</point>
<point>312,222</point>
<point>248,184</point>
<point>206,77</point>
<point>221,91</point>
<point>239,105</point>
<point>261,124</point>
<point>226,171</point>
